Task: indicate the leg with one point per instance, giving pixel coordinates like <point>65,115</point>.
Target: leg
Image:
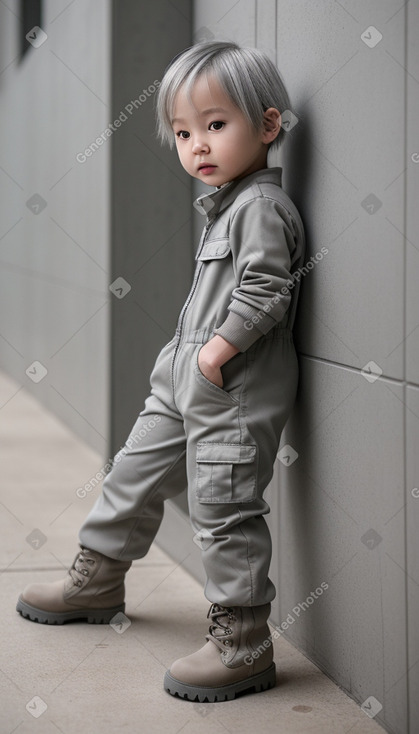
<point>149,469</point>
<point>124,520</point>
<point>233,437</point>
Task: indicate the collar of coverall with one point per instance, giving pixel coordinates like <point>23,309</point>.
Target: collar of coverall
<point>211,204</point>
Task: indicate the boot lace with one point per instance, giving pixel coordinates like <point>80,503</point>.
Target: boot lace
<point>80,568</point>
<point>220,632</point>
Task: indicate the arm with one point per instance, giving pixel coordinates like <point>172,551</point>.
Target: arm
<point>263,246</point>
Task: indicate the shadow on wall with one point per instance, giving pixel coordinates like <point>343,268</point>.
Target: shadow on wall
<point>300,182</point>
<point>30,25</point>
<point>296,511</point>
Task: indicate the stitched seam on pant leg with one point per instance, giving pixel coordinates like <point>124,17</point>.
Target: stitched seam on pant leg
<point>242,410</point>
<point>151,495</point>
<point>241,418</point>
<point>248,561</point>
<point>135,521</point>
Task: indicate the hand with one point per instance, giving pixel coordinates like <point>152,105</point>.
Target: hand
<point>213,374</point>
<point>213,355</point>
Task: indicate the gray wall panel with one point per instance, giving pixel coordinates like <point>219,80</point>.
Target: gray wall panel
<point>340,520</point>
<point>412,361</point>
<point>412,195</point>
<point>151,200</point>
<point>225,21</point>
<point>411,510</point>
<point>54,263</point>
<point>354,155</point>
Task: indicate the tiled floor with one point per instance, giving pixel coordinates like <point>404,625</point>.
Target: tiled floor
<point>92,679</point>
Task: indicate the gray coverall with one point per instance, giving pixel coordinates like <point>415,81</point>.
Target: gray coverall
<point>221,443</point>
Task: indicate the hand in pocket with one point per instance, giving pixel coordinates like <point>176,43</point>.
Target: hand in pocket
<point>212,374</point>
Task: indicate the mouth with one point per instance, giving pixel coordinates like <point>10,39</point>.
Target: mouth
<point>206,168</point>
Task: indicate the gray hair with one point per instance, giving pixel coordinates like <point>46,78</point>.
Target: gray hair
<point>247,76</point>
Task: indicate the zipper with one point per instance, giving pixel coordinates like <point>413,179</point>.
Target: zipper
<point>186,305</point>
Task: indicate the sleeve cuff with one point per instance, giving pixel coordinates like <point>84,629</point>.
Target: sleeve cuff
<point>240,332</point>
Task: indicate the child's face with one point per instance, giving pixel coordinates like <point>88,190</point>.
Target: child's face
<point>215,132</point>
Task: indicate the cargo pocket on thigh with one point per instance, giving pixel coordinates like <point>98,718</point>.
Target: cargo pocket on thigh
<point>225,472</point>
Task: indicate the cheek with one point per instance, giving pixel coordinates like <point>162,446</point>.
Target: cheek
<point>228,146</point>
<point>182,153</point>
<point>236,141</point>
<point>234,153</point>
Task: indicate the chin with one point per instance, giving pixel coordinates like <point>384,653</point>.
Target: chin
<point>219,181</point>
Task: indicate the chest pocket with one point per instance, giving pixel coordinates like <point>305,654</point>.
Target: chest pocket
<point>215,250</point>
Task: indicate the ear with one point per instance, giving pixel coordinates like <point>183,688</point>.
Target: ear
<point>271,124</point>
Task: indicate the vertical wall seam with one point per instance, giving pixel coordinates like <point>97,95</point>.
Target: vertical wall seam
<point>276,33</point>
<point>405,437</point>
<point>255,37</point>
<point>111,438</point>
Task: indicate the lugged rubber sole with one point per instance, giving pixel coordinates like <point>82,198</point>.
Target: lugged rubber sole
<point>92,616</point>
<point>257,683</point>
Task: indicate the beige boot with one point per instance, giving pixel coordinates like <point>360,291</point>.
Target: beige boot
<point>237,657</point>
<point>93,589</point>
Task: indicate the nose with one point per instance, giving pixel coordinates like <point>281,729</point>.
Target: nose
<point>200,146</point>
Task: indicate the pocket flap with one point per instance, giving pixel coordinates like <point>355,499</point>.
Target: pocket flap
<point>225,453</point>
<point>214,250</point>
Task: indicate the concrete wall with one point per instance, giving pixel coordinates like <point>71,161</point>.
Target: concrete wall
<point>54,212</point>
<point>151,197</point>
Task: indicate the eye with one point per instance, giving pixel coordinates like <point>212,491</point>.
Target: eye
<point>217,125</point>
<point>183,134</point>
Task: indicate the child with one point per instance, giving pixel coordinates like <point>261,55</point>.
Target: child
<point>221,389</point>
